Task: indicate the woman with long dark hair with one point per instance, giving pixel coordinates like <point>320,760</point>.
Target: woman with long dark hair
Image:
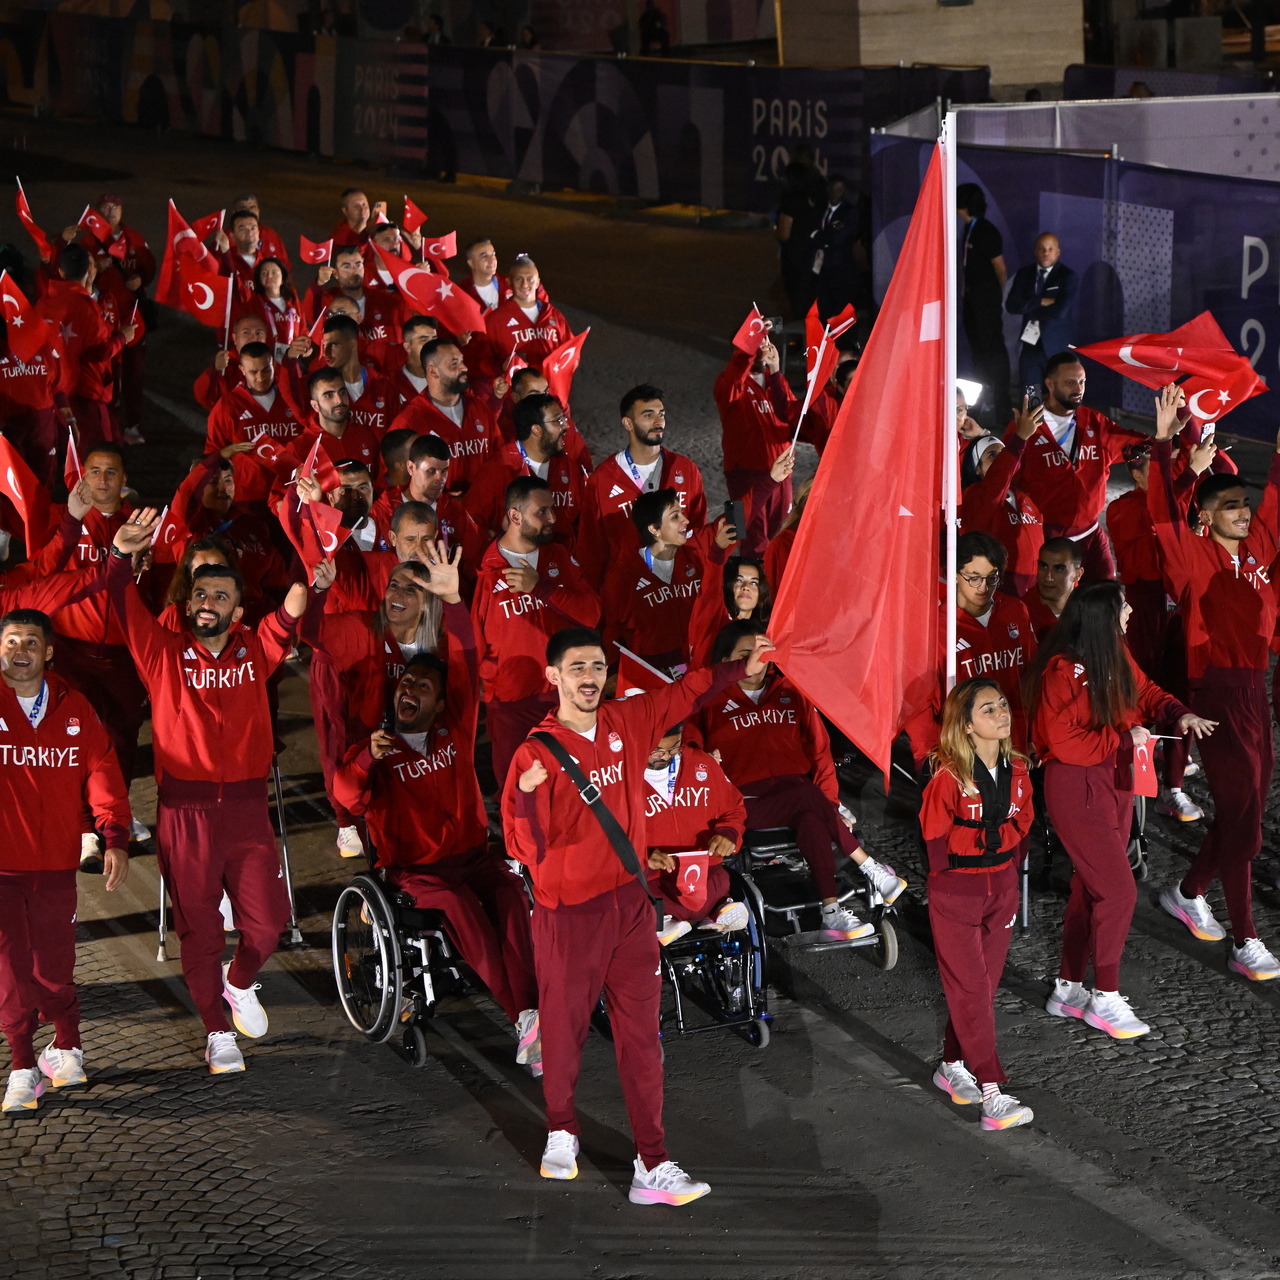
<point>737,591</point>
<point>277,302</point>
<point>976,814</point>
<point>1088,700</point>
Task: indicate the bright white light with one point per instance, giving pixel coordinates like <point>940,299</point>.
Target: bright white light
<point>970,390</point>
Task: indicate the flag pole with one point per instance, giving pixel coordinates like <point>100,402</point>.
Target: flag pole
<point>950,442</point>
<point>808,391</point>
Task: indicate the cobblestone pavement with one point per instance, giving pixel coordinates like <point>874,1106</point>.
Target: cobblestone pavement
<point>830,1153</point>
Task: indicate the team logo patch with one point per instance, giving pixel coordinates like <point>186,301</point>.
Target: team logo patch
<point>701,774</point>
<point>690,571</point>
<point>1013,631</point>
<point>553,572</point>
<point>73,727</point>
<point>480,427</point>
<point>679,479</point>
<point>242,652</point>
<point>786,702</point>
<point>615,742</point>
<point>1252,560</point>
<point>442,733</point>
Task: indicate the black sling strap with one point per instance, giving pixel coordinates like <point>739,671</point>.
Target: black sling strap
<point>996,793</point>
<point>592,798</point>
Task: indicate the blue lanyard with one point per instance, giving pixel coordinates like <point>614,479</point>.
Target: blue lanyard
<point>672,769</point>
<point>34,714</point>
<point>635,471</point>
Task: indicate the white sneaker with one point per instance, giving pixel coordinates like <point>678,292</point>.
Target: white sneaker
<point>222,1053</point>
<point>1109,1011</point>
<point>957,1080</point>
<point>731,916</point>
<point>248,1015</point>
<point>1004,1111</point>
<point>90,853</point>
<point>667,1184</point>
<point>672,929</point>
<point>560,1156</point>
<point>1067,999</point>
<point>349,843</point>
<point>137,831</point>
<point>1181,806</point>
<point>839,923</point>
<point>1193,912</point>
<point>886,882</point>
<point>228,919</point>
<point>23,1090</point>
<point>1254,961</point>
<point>64,1067</point>
<point>1191,770</point>
<point>529,1033</point>
<point>133,435</point>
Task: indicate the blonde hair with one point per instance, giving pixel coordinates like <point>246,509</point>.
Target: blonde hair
<point>954,751</point>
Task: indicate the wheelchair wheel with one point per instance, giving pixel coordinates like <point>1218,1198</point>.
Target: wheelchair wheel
<point>415,1045</point>
<point>885,951</point>
<point>366,959</point>
<point>600,1020</point>
<point>756,1034</point>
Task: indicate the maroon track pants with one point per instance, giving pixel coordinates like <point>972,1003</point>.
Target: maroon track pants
<point>35,436</point>
<point>329,711</point>
<point>1238,760</point>
<point>972,927</point>
<point>486,913</point>
<point>94,424</point>
<point>1093,818</point>
<point>665,887</point>
<point>795,801</point>
<point>509,724</point>
<point>37,961</point>
<point>106,675</point>
<point>608,942</point>
<point>207,843</point>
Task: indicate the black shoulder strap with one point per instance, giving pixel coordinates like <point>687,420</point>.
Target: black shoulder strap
<point>592,798</point>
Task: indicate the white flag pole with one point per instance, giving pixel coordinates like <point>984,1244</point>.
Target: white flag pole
<point>950,441</point>
<point>808,391</point>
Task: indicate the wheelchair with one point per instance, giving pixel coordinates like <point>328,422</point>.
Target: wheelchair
<point>392,963</point>
<point>724,975</point>
<point>779,878</point>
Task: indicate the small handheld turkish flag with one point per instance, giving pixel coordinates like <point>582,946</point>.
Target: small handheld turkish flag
<point>33,230</point>
<point>436,295</point>
<point>316,332</point>
<point>514,361</point>
<point>751,334</point>
<point>691,878</point>
<point>559,367</point>
<point>1145,782</point>
<point>182,242</point>
<point>265,450</point>
<point>319,466</point>
<point>28,331</point>
<point>315,530</point>
<point>206,226</point>
<point>635,675</point>
<point>95,224</point>
<point>413,216</point>
<point>72,471</point>
<point>30,501</point>
<point>1220,377</point>
<point>118,249</point>
<point>204,294</point>
<point>442,249</point>
<point>314,253</point>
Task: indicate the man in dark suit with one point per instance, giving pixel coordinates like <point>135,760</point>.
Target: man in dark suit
<point>838,247</point>
<point>1044,295</point>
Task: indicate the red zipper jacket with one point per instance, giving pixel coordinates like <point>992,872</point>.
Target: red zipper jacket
<point>90,345</point>
<point>703,803</point>
<point>647,615</point>
<point>471,443</point>
<point>756,421</point>
<point>210,718</point>
<point>1061,724</point>
<point>779,736</point>
<point>507,326</point>
<point>514,626</point>
<point>484,499</point>
<point>1071,493</point>
<point>421,807</point>
<point>48,774</point>
<point>1228,609</point>
<point>1011,518</point>
<point>553,832</point>
<point>605,530</point>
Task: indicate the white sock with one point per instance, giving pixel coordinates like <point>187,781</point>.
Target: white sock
<point>959,1062</point>
<point>830,908</point>
<point>990,1091</point>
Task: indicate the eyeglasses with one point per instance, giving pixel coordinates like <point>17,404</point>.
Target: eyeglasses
<point>556,422</point>
<point>976,580</point>
<point>661,754</point>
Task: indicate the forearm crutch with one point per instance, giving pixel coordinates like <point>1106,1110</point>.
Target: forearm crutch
<point>1024,890</point>
<point>161,953</point>
<point>295,934</point>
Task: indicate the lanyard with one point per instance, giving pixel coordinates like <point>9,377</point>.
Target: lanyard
<point>672,769</point>
<point>635,471</point>
<point>38,705</point>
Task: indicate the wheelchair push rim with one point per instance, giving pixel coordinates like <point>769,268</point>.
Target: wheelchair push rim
<point>366,959</point>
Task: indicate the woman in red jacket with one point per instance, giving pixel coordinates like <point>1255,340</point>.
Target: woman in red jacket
<point>1088,700</point>
<point>977,811</point>
<point>736,591</point>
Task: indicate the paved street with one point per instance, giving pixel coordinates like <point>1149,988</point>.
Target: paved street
<point>829,1152</point>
